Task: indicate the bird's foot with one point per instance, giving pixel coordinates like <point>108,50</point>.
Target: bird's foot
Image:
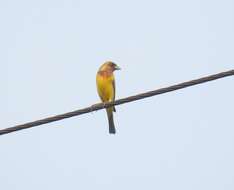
<point>94,106</point>
<point>103,105</point>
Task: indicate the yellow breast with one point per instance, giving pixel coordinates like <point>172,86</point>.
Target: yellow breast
<point>105,87</point>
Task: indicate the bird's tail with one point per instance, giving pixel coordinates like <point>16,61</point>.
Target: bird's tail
<point>111,120</point>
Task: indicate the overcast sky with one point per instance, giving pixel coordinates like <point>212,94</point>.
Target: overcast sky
<point>51,50</point>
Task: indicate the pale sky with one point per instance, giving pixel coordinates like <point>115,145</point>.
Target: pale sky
<point>183,140</point>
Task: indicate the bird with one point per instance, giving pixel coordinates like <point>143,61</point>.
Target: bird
<point>105,82</point>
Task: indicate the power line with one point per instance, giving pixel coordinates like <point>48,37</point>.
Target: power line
<point>117,102</point>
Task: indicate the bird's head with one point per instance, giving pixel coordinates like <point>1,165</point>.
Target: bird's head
<point>109,66</point>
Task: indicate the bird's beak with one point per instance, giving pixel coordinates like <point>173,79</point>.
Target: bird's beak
<point>117,67</point>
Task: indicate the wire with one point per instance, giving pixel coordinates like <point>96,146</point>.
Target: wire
<point>100,106</point>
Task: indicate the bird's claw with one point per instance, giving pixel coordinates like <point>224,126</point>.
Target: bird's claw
<point>94,105</point>
<point>103,105</point>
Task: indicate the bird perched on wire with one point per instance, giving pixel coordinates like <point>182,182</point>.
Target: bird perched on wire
<point>106,89</point>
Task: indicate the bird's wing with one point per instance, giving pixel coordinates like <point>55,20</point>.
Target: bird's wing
<point>113,84</point>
